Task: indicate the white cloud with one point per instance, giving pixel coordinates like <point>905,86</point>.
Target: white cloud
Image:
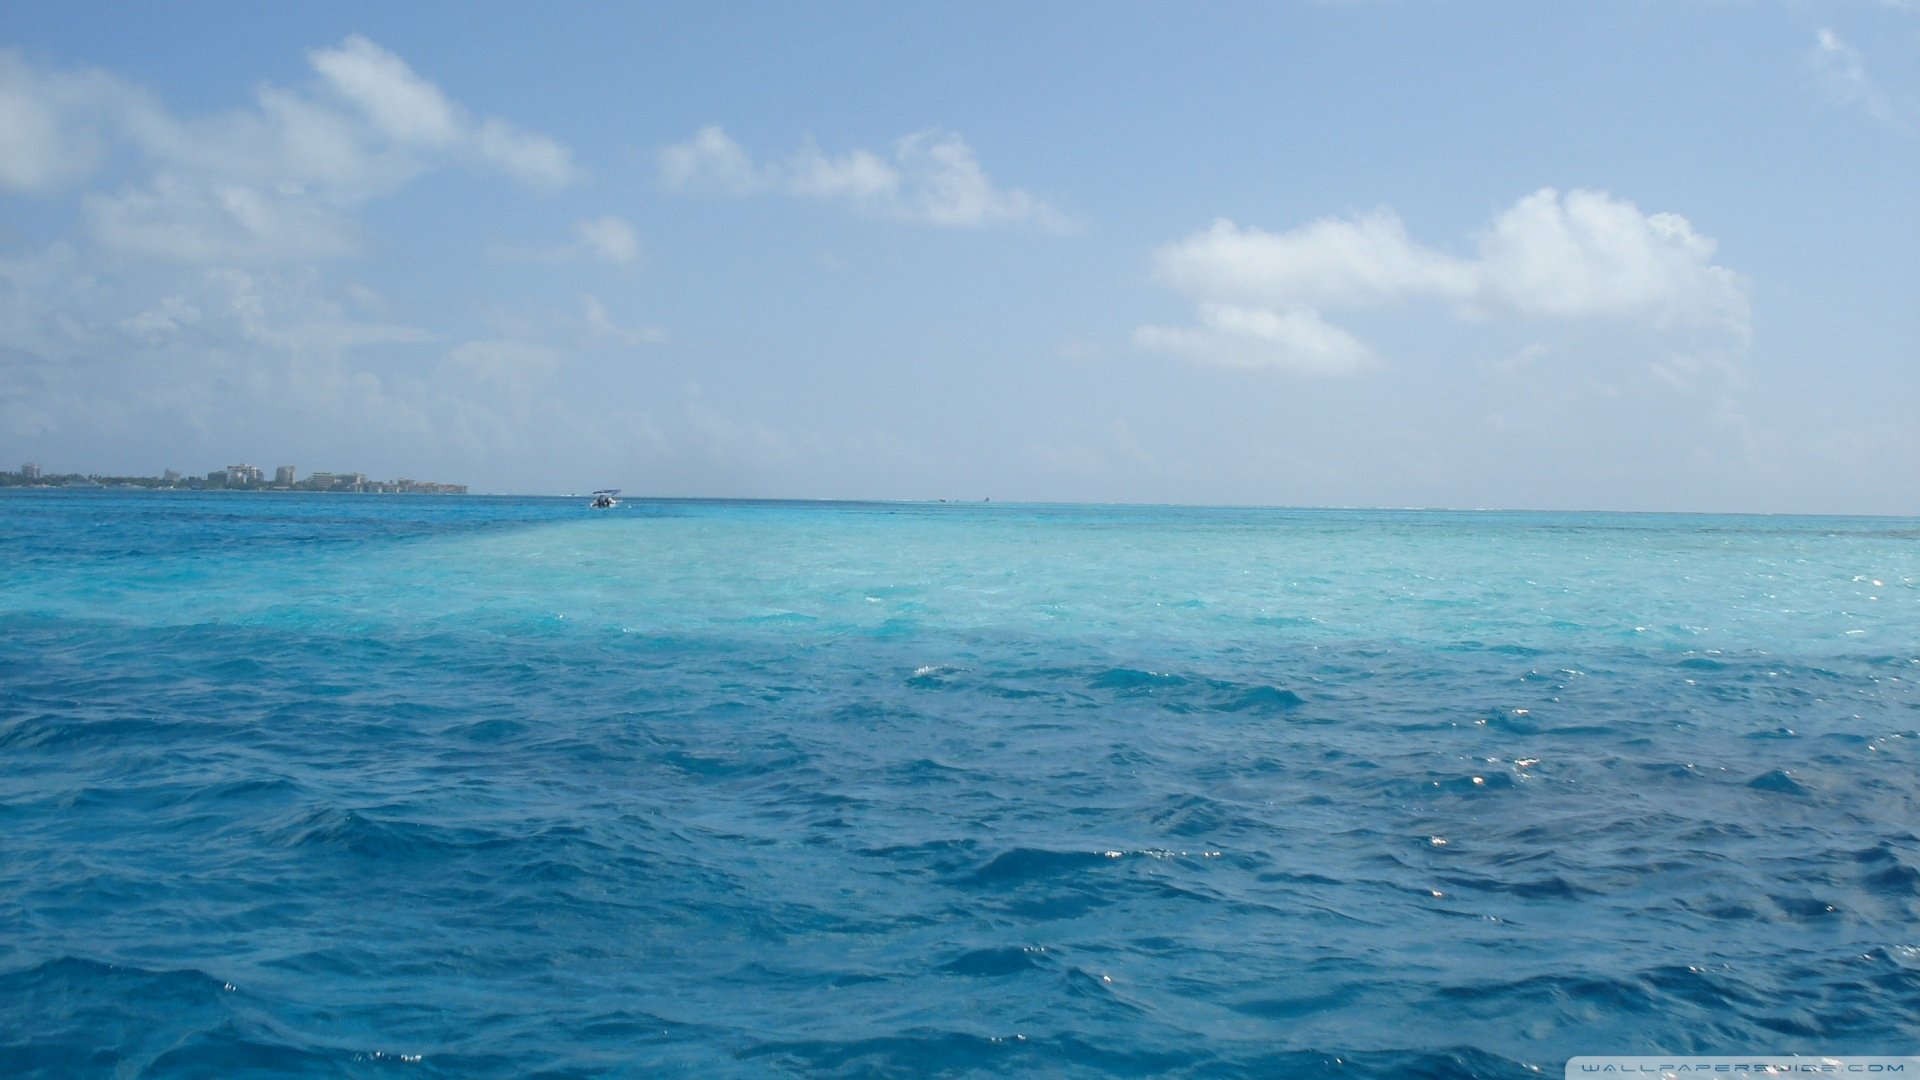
<point>1590,255</point>
<point>946,186</point>
<point>162,321</point>
<point>175,220</point>
<point>1329,263</point>
<point>710,161</point>
<point>277,182</point>
<point>532,159</point>
<point>858,177</point>
<point>610,238</point>
<point>598,328</point>
<point>1531,354</point>
<point>1584,256</point>
<point>1843,72</point>
<point>48,135</point>
<point>293,313</point>
<point>932,177</point>
<point>1295,340</point>
<point>402,106</point>
<point>409,111</point>
<point>295,144</point>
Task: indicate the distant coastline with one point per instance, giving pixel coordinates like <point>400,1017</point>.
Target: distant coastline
<point>232,478</point>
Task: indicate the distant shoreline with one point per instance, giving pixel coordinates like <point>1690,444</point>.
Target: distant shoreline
<point>234,478</point>
<point>203,489</point>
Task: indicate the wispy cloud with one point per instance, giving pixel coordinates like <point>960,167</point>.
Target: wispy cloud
<point>609,239</point>
<point>710,161</point>
<point>1294,339</point>
<point>931,177</point>
<point>51,129</point>
<point>1584,255</point>
<point>412,112</point>
<point>1843,73</point>
<point>587,326</point>
<point>281,181</point>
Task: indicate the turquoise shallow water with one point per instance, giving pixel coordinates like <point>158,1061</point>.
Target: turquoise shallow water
<point>500,787</point>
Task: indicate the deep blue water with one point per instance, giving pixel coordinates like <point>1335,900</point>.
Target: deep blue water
<point>368,786</point>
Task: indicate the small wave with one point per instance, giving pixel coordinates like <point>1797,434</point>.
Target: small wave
<point>782,618</point>
<point>1551,887</point>
<point>1264,699</point>
<point>79,726</point>
<point>1191,815</point>
<point>71,1010</point>
<point>995,963</point>
<point>75,974</point>
<point>936,856</point>
<point>1182,694</point>
<point>1889,875</point>
<point>498,729</point>
<point>1618,996</point>
<point>1906,957</point>
<point>1777,781</point>
<point>1293,1007</point>
<point>1135,681</point>
<point>933,676</point>
<point>1029,864</point>
<point>351,832</point>
<point>746,763</point>
<point>926,772</point>
<point>1896,880</point>
<point>1806,907</point>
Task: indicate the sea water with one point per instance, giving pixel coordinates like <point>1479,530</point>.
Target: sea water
<point>414,786</point>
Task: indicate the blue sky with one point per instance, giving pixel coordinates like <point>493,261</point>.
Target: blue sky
<point>1655,256</point>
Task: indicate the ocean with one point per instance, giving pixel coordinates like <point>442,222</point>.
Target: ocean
<point>499,787</point>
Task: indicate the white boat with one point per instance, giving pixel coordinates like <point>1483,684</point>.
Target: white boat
<point>604,499</point>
